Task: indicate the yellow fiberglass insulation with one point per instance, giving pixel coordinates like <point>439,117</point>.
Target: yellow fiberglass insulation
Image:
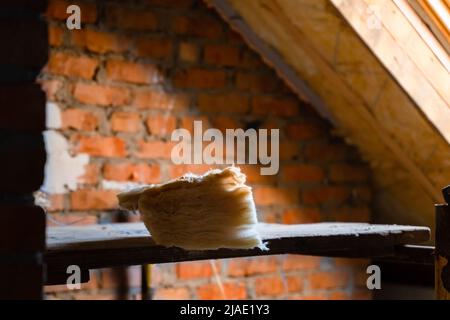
<point>211,211</point>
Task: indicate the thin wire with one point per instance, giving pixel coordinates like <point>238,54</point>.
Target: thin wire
<point>218,279</point>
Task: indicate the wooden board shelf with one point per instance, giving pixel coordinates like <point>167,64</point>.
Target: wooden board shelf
<point>109,245</point>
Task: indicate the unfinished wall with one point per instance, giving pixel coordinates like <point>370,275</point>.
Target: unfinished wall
<point>137,71</point>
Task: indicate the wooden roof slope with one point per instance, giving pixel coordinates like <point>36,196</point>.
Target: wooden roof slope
<point>370,72</point>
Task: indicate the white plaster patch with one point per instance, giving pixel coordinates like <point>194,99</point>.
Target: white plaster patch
<point>61,169</point>
<point>121,186</point>
<point>52,116</point>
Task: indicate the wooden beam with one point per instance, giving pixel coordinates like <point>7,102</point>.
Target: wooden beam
<point>393,109</point>
<point>102,246</point>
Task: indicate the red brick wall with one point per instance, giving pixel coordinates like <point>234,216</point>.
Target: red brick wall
<point>137,71</point>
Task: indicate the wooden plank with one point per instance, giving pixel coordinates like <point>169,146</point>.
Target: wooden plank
<point>412,254</point>
<point>110,245</point>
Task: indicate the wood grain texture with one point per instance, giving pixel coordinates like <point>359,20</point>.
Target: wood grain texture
<point>403,136</point>
<point>110,245</point>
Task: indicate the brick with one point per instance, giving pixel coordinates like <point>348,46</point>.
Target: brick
<point>110,278</point>
<point>55,202</point>
<point>222,55</point>
<point>270,124</point>
<point>229,103</point>
<point>161,124</point>
<point>119,70</point>
<point>302,173</point>
<point>79,119</point>
<point>156,48</point>
<point>197,78</point>
<point>118,171</point>
<point>315,296</point>
<point>154,149</point>
<point>294,283</point>
<point>146,173</point>
<point>251,266</point>
<point>269,105</point>
<point>176,171</point>
<point>91,174</point>
<point>268,216</point>
<point>232,290</point>
<point>65,64</point>
<point>360,277</point>
<point>93,295</point>
<point>55,35</point>
<point>348,173</point>
<point>125,121</point>
<point>234,37</point>
<point>92,199</point>
<point>203,28</point>
<point>325,152</point>
<point>100,146</point>
<point>330,195</point>
<point>269,286</point>
<point>362,194</point>
<point>194,270</point>
<point>99,41</point>
<point>225,122</point>
<point>72,219</point>
<point>51,88</point>
<point>304,131</point>
<point>130,19</point>
<point>275,196</point>
<point>253,173</point>
<point>187,122</point>
<point>349,214</point>
<point>255,83</point>
<point>152,99</point>
<point>362,294</point>
<point>188,52</point>
<point>296,262</point>
<point>170,3</point>
<point>326,280</point>
<point>178,293</point>
<point>301,215</point>
<point>137,172</point>
<point>339,295</point>
<point>57,9</point>
<point>100,94</point>
<point>251,60</point>
<point>289,150</point>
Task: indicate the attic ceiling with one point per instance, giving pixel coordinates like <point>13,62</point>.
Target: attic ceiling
<point>374,76</point>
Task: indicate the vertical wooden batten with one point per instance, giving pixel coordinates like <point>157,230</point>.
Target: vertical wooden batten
<point>442,262</point>
<point>22,120</point>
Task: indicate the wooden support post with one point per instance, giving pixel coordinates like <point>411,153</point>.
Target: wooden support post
<point>442,262</point>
